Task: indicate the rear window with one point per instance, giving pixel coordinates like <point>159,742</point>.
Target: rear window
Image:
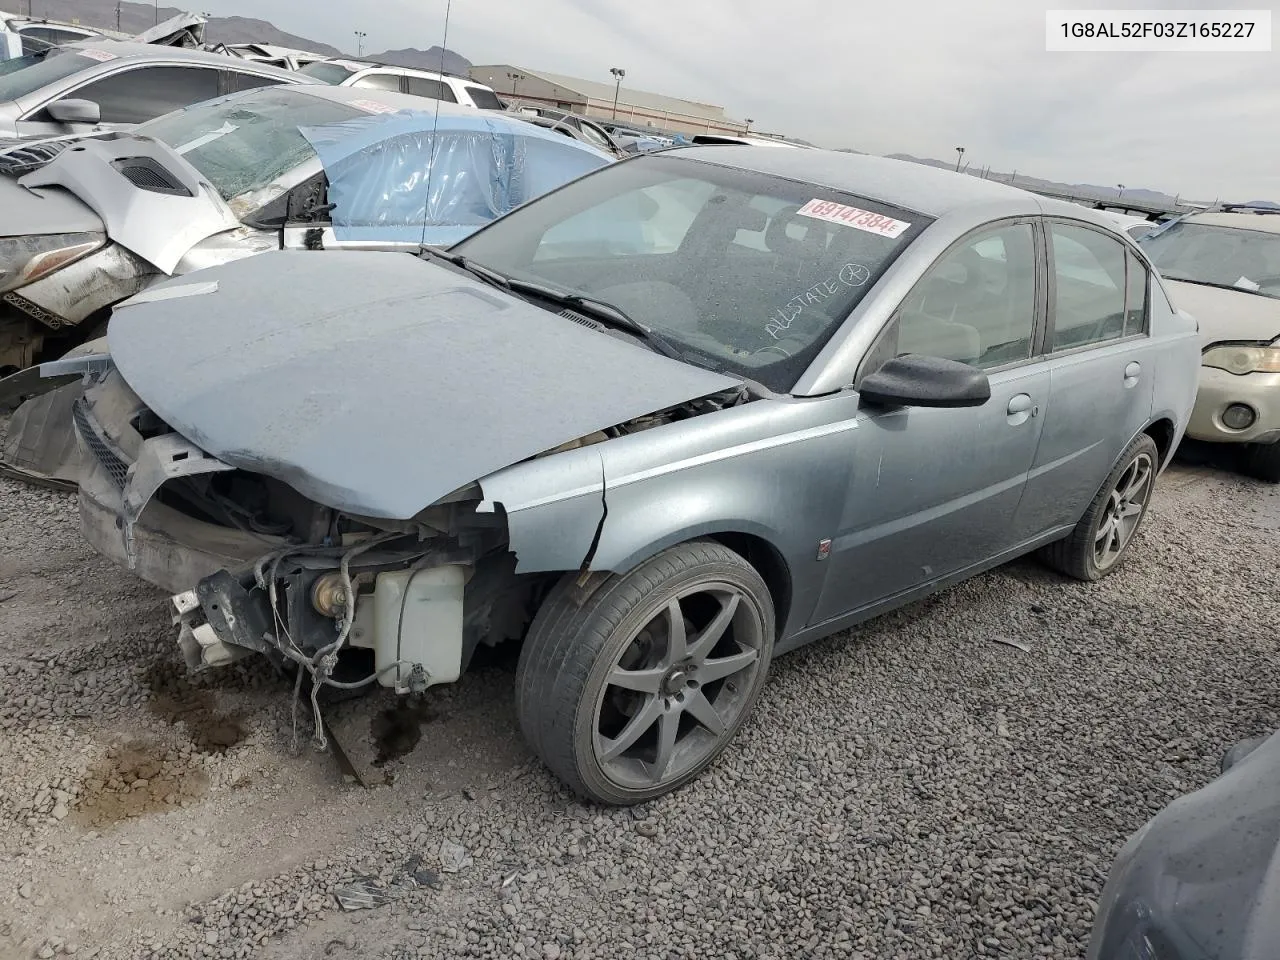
<point>332,73</point>
<point>484,98</point>
<point>58,65</point>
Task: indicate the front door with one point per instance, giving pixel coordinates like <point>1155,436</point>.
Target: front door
<point>934,491</point>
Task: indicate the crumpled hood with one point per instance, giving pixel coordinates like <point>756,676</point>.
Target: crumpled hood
<point>41,212</point>
<point>1227,314</point>
<point>378,383</point>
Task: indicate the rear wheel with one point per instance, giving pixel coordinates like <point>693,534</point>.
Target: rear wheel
<point>1101,539</point>
<point>631,690</point>
<point>1262,460</point>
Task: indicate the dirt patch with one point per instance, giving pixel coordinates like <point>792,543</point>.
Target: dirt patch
<point>175,698</point>
<point>398,729</point>
<point>134,780</point>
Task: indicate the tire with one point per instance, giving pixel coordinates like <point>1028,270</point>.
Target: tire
<point>621,745</point>
<point>1262,461</point>
<point>1077,555</point>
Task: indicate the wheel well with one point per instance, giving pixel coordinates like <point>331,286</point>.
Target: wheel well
<point>769,563</point>
<point>1162,432</point>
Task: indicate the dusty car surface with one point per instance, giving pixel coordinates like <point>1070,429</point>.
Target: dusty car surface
<point>97,85</point>
<point>90,222</point>
<point>1202,879</point>
<point>809,388</point>
<point>1224,269</point>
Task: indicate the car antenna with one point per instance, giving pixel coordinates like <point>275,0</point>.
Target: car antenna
<point>435,126</point>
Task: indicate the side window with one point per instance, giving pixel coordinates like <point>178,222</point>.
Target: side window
<point>1089,273</point>
<point>483,97</point>
<point>976,304</point>
<point>237,81</point>
<point>142,94</point>
<point>1137,281</point>
<point>379,81</point>
<point>426,87</point>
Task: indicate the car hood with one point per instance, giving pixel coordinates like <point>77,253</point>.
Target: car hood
<point>1227,314</point>
<point>378,383</point>
<point>43,211</point>
<point>151,201</point>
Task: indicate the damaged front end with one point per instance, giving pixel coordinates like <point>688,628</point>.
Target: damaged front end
<point>255,568</point>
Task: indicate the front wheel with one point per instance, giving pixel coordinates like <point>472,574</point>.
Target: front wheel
<point>1101,539</point>
<point>630,691</point>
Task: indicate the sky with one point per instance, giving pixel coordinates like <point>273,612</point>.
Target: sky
<point>921,78</point>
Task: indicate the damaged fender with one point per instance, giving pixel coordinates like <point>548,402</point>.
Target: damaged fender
<point>554,507</point>
<point>75,292</point>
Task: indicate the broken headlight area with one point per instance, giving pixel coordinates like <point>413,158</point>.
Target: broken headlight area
<point>419,601</point>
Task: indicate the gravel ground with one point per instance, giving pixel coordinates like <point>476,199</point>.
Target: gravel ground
<point>911,789</point>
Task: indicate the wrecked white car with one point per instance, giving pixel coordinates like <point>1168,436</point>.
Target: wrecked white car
<point>682,414</point>
<point>89,222</point>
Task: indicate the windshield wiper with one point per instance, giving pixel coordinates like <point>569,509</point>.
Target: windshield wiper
<point>491,277</point>
<point>1221,286</point>
<point>605,311</point>
<point>599,309</point>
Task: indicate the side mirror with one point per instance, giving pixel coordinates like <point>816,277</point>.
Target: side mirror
<point>919,381</point>
<point>75,111</point>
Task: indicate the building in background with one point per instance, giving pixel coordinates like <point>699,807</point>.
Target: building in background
<point>635,107</point>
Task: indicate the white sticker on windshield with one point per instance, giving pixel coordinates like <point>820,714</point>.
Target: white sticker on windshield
<point>854,217</point>
<point>100,55</point>
<point>373,106</point>
<point>212,135</point>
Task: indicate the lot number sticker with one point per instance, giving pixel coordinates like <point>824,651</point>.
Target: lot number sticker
<point>864,220</point>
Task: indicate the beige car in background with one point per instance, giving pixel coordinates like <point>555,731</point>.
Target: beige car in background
<point>1224,269</point>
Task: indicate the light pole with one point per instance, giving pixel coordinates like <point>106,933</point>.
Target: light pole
<point>959,157</point>
<point>157,11</point>
<point>749,123</point>
<point>618,74</point>
<point>360,35</point>
<point>514,78</point>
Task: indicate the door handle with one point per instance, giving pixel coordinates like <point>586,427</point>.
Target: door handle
<point>1132,373</point>
<point>1020,403</point>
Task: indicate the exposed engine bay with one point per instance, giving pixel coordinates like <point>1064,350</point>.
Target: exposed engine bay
<point>418,595</point>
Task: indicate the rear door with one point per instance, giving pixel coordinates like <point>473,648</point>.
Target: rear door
<point>1102,363</point>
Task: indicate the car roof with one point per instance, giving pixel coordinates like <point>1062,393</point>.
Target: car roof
<point>401,101</point>
<point>126,50</point>
<point>1263,222</point>
<point>912,186</point>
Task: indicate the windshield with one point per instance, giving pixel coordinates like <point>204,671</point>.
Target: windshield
<point>332,73</point>
<point>39,72</point>
<point>750,274</point>
<point>1234,257</point>
<point>244,142</point>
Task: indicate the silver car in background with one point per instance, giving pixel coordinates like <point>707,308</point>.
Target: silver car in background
<point>103,85</point>
<point>684,414</point>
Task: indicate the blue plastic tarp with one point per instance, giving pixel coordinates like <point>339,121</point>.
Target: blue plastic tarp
<point>398,177</point>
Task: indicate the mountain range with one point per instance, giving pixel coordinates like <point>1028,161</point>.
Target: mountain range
<point>133,18</point>
<point>1083,190</point>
